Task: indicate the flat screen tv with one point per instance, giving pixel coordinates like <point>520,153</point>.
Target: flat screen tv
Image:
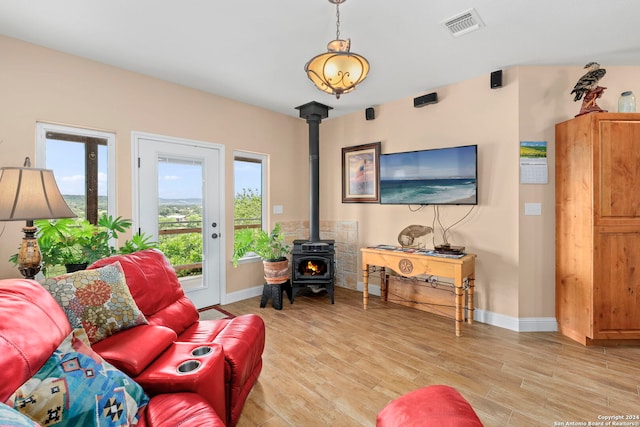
<point>442,176</point>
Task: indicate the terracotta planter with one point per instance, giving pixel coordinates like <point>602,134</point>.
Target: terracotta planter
<point>276,272</point>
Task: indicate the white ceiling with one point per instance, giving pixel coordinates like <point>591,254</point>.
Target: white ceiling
<point>254,51</point>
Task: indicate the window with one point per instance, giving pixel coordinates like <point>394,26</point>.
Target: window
<point>82,162</point>
<point>250,192</point>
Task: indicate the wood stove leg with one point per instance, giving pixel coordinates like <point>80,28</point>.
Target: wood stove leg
<point>330,291</point>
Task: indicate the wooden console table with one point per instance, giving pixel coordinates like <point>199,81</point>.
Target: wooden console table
<point>414,264</point>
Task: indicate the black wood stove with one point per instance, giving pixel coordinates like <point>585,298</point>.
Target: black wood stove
<point>313,266</point>
<point>313,260</point>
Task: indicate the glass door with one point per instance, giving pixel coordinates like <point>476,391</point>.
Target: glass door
<point>179,205</point>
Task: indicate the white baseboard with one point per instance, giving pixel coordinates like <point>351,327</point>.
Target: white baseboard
<point>523,324</point>
<point>373,289</point>
<point>242,295</point>
<point>538,324</point>
<point>518,324</point>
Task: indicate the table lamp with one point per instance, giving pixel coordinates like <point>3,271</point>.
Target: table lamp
<point>27,194</point>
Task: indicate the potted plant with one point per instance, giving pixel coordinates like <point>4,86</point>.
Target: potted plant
<point>61,242</point>
<point>271,247</point>
<point>77,243</point>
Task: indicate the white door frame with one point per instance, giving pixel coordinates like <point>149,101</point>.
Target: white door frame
<point>135,142</point>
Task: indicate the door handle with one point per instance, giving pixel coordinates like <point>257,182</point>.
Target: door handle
<point>215,235</point>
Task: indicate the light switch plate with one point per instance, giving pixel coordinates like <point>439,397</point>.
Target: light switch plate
<point>277,209</point>
<point>533,208</point>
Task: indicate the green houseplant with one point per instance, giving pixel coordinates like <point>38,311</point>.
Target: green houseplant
<point>271,247</point>
<point>77,243</point>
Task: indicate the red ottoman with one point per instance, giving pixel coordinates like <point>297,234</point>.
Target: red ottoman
<point>436,405</point>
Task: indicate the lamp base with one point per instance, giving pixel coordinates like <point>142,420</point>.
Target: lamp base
<point>29,272</point>
<point>29,257</point>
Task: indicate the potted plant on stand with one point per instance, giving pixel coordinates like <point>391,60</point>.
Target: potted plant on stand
<point>271,247</point>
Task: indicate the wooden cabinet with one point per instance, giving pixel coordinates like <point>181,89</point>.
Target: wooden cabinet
<point>598,228</point>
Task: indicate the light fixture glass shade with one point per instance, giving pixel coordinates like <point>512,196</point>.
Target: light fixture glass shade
<point>30,193</point>
<point>337,71</point>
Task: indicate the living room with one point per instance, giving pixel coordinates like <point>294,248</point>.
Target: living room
<point>515,265</point>
<point>515,283</point>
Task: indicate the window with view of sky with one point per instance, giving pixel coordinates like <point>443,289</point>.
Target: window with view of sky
<point>249,198</point>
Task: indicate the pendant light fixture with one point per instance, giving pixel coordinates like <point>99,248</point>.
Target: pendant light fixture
<point>337,71</point>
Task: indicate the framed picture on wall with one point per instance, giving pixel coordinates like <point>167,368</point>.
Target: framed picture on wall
<point>360,173</point>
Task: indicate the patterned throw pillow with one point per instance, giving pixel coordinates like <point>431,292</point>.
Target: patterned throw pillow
<point>9,417</point>
<point>97,300</point>
<point>76,387</point>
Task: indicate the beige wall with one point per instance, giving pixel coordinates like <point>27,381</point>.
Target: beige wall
<point>39,84</point>
<point>515,265</point>
<point>467,113</point>
<point>545,100</point>
<point>515,270</point>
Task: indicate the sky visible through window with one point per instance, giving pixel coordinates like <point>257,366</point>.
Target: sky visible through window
<point>247,175</point>
<point>66,159</point>
<point>178,181</point>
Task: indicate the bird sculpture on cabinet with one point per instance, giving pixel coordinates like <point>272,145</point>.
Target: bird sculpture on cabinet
<point>588,90</point>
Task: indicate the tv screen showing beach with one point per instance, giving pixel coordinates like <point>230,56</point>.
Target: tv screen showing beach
<point>443,176</point>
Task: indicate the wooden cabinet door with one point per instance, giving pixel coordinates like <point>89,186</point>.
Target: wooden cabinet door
<point>616,287</point>
<point>619,172</point>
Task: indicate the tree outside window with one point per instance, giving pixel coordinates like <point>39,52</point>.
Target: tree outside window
<point>249,191</point>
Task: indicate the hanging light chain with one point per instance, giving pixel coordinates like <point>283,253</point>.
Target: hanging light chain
<point>337,21</point>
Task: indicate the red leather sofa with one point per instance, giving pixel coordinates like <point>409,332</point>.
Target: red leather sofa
<point>32,326</point>
<point>174,330</point>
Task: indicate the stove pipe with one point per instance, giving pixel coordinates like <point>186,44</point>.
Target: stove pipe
<point>314,112</point>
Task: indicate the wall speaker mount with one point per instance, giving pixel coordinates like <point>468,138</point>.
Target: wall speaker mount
<point>496,79</point>
<point>421,101</point>
<point>370,113</point>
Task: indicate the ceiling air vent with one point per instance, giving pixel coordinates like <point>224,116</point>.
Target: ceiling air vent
<point>464,23</point>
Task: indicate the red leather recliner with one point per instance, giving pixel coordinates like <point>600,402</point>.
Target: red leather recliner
<point>32,326</point>
<point>173,317</point>
<point>431,406</point>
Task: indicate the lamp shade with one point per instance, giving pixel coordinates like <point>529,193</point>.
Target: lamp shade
<point>29,194</point>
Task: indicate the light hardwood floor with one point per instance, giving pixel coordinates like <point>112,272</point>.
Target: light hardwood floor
<point>339,365</point>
